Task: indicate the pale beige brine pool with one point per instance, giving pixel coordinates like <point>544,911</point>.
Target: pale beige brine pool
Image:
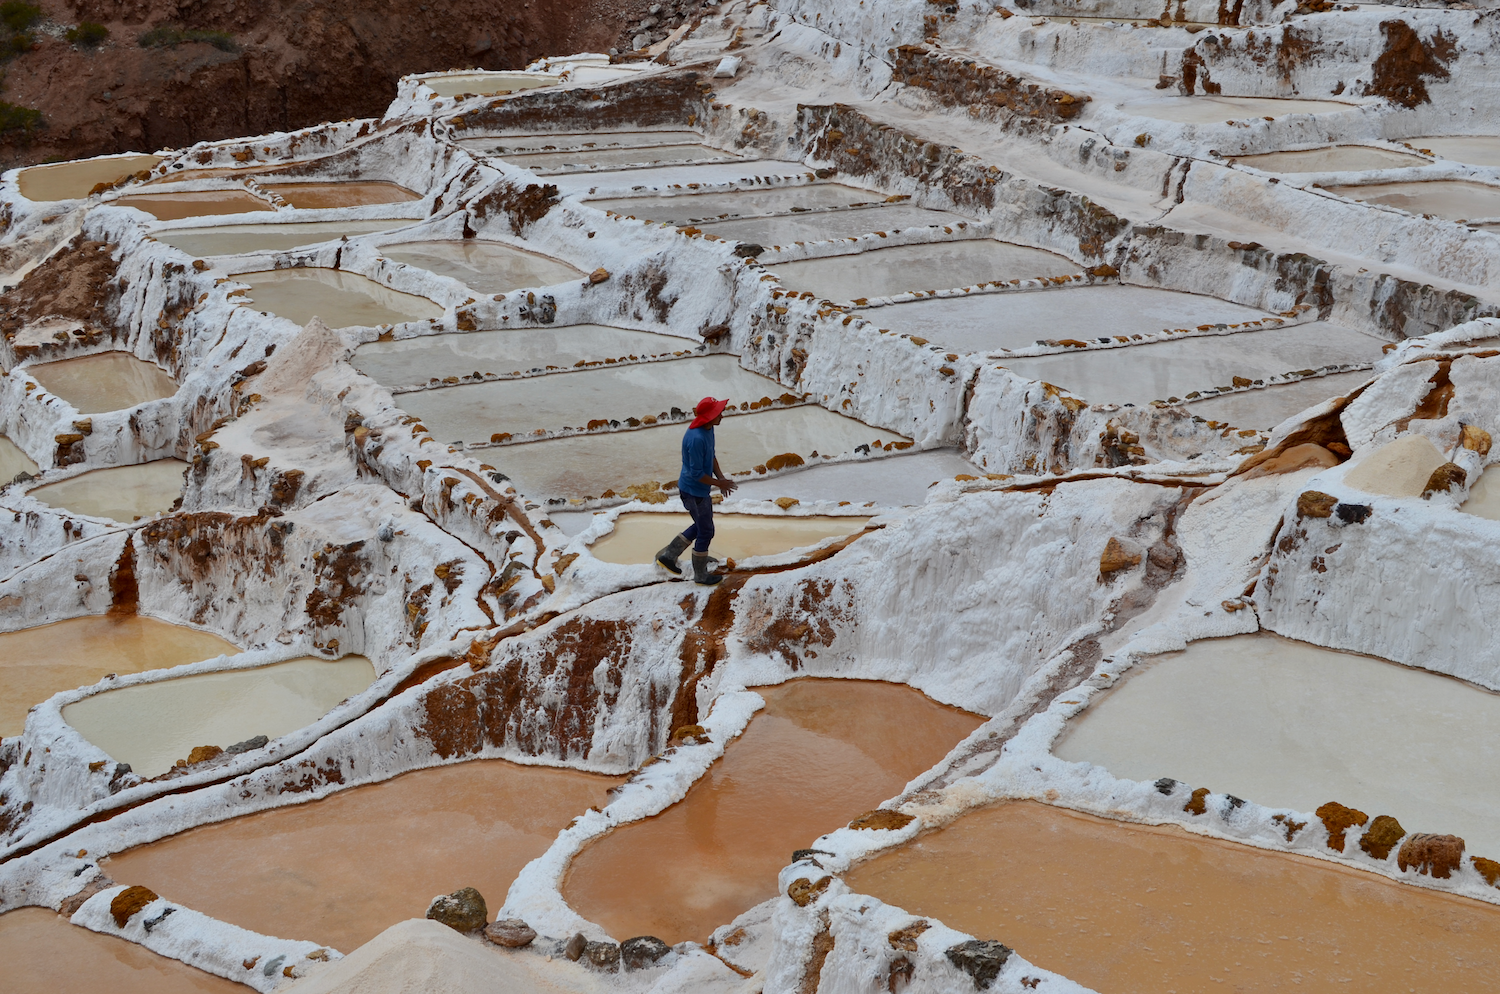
<point>588,465</point>
<point>234,239</point>
<point>817,226</point>
<point>486,84</point>
<point>487,267</point>
<point>1136,908</point>
<point>696,207</point>
<point>1139,374</point>
<point>45,954</point>
<point>1207,109</point>
<point>1476,150</point>
<point>36,663</point>
<point>176,206</point>
<point>821,753</point>
<point>348,193</point>
<point>473,412</point>
<point>637,535</point>
<point>1397,469</point>
<point>343,869</point>
<point>1268,407</point>
<point>1450,199</point>
<point>13,461</point>
<point>611,157</point>
<point>104,381</point>
<point>340,299</point>
<point>533,142</point>
<point>414,361</point>
<point>631,182</point>
<point>991,321</point>
<point>152,725</point>
<point>1250,716</point>
<point>1483,499</point>
<point>74,180</point>
<point>120,493</point>
<point>936,266</point>
<point>1337,159</point>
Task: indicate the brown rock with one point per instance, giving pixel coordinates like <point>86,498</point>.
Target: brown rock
<point>1339,819</point>
<point>786,503</point>
<point>1315,504</point>
<point>463,911</point>
<point>604,956</point>
<point>803,891</point>
<point>691,734</point>
<point>598,276</point>
<point>1445,478</point>
<point>1475,439</point>
<point>1115,558</point>
<point>575,947</point>
<point>512,933</point>
<point>202,754</point>
<point>1382,835</point>
<point>882,818</point>
<point>1438,855</point>
<point>906,938</point>
<point>128,902</point>
<point>1196,805</point>
<point>643,951</point>
<point>1488,869</point>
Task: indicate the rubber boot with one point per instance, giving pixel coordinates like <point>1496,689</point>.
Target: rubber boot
<point>668,556</point>
<point>701,567</point>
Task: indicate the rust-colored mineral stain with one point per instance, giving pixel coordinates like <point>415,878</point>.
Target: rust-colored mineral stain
<point>43,953</point>
<point>176,206</point>
<point>312,196</point>
<point>822,752</point>
<point>1126,908</point>
<point>36,663</point>
<point>343,869</point>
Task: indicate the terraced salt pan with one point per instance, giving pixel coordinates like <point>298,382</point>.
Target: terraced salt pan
<point>1254,716</point>
<point>120,493</point>
<point>487,267</point>
<point>74,180</point>
<point>991,321</point>
<point>639,534</point>
<point>487,84</point>
<point>1476,150</point>
<point>341,299</point>
<point>234,239</point>
<point>350,193</point>
<point>618,156</point>
<point>588,465</point>
<point>104,381</point>
<point>684,209</point>
<point>1121,907</point>
<point>176,206</point>
<point>1269,407</point>
<point>895,481</point>
<point>414,361</point>
<point>152,725</point>
<point>1453,199</point>
<point>36,663</point>
<point>821,753</point>
<point>473,412</point>
<point>531,142</point>
<point>935,266</point>
<point>44,954</point>
<point>1339,158</point>
<point>340,870</point>
<point>1139,374</point>
<point>820,226</point>
<point>1214,110</point>
<point>13,461</point>
<point>620,182</point>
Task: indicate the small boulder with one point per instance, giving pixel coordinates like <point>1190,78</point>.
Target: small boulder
<point>1475,439</point>
<point>882,818</point>
<point>598,276</point>
<point>1382,835</point>
<point>1445,478</point>
<point>981,959</point>
<point>575,947</point>
<point>512,933</point>
<point>803,891</point>
<point>248,745</point>
<point>1438,855</point>
<point>1338,820</point>
<point>1116,557</point>
<point>202,754</point>
<point>1315,504</point>
<point>1488,869</point>
<point>643,951</point>
<point>463,910</point>
<point>604,956</point>
<point>128,902</point>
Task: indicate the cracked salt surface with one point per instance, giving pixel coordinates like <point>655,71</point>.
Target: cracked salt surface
<point>816,226</point>
<point>905,268</point>
<point>341,299</point>
<point>685,208</point>
<point>1452,199</point>
<point>177,206</point>
<point>488,267</point>
<point>104,381</point>
<point>234,239</point>
<point>638,534</point>
<point>120,493</point>
<point>1339,158</point>
<point>74,180</point>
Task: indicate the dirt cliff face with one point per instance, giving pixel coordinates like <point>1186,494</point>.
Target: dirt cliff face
<point>289,63</point>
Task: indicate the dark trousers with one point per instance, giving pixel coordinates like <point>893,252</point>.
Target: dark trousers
<point>701,531</point>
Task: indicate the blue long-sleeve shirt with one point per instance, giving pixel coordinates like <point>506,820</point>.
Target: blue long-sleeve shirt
<point>697,461</point>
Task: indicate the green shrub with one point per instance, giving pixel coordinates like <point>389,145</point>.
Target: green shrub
<point>12,45</point>
<point>88,34</point>
<point>168,36</point>
<point>19,15</point>
<point>16,118</point>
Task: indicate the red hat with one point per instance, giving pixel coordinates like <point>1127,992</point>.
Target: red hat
<point>707,410</point>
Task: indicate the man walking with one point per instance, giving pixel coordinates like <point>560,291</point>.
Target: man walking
<point>700,470</point>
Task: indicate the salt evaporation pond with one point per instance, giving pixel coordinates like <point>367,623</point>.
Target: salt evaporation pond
<point>1207,109</point>
<point>36,663</point>
<point>152,725</point>
<point>936,266</point>
<point>638,534</point>
<point>340,870</point>
<point>1268,407</point>
<point>120,493</point>
<point>1139,374</point>
<point>341,299</point>
<point>1451,199</point>
<point>1337,159</point>
<point>606,157</point>
<point>1483,499</point>
<point>688,208</point>
<point>414,361</point>
<point>487,267</point>
<point>75,180</point>
<point>487,84</point>
<point>817,226</point>
<point>1122,907</point>
<point>473,412</point>
<point>821,753</point>
<point>587,465</point>
<point>1400,468</point>
<point>234,239</point>
<point>348,193</point>
<point>990,321</point>
<point>533,142</point>
<point>104,381</point>
<point>13,461</point>
<point>44,954</point>
<point>176,206</point>
<point>1476,150</point>
<point>623,181</point>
